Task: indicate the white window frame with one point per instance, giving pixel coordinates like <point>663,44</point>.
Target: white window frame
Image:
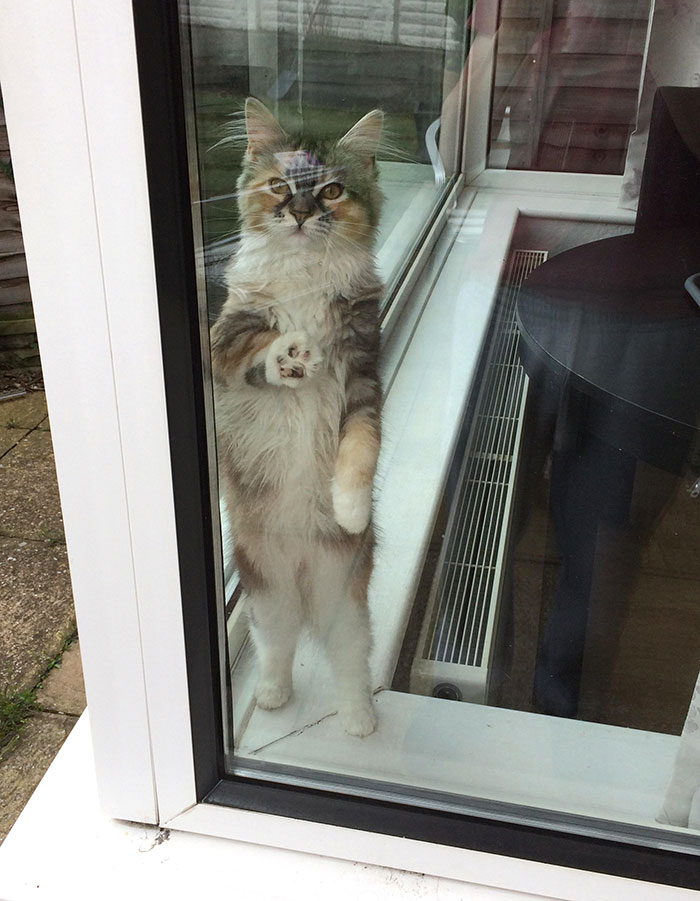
<point>77,143</point>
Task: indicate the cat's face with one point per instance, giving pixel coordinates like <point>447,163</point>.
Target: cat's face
<point>299,193</point>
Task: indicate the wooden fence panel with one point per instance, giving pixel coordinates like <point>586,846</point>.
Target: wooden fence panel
<point>18,347</point>
<point>570,83</point>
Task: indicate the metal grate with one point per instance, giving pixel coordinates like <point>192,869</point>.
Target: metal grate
<point>464,594</point>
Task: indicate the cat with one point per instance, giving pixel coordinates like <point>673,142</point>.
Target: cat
<point>298,398</point>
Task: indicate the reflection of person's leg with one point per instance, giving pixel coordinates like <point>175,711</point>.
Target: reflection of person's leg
<point>560,655</point>
<point>341,620</point>
<point>591,483</point>
<point>617,569</point>
<point>617,561</point>
<point>510,682</point>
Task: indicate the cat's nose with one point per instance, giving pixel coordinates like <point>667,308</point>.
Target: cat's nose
<point>302,206</point>
<point>301,216</point>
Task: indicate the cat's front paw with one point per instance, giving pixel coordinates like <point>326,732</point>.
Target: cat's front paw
<point>271,694</point>
<point>352,507</point>
<point>291,359</point>
<point>358,719</point>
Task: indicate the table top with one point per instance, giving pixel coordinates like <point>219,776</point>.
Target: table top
<point>613,318</point>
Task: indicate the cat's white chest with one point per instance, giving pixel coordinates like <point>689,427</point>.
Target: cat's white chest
<point>306,312</point>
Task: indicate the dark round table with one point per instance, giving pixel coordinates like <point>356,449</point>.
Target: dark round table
<point>611,342</point>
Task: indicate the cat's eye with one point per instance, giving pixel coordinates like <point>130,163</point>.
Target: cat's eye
<point>279,186</point>
<point>332,191</point>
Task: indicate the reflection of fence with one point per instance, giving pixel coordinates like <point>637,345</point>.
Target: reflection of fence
<point>569,70</point>
<point>407,23</point>
<point>337,72</point>
<point>18,347</point>
<point>340,54</point>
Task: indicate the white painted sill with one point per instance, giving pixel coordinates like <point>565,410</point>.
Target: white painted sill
<point>64,848</point>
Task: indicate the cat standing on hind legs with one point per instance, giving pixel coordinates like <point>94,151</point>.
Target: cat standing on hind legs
<point>297,397</point>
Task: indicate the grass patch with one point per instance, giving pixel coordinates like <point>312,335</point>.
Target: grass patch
<point>16,707</point>
<point>15,710</point>
<point>56,661</point>
<point>50,535</point>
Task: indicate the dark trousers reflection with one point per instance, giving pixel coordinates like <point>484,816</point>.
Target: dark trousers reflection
<point>604,505</point>
<point>601,616</point>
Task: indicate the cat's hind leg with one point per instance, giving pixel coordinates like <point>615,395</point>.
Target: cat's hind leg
<point>276,619</point>
<point>341,620</point>
<point>275,626</point>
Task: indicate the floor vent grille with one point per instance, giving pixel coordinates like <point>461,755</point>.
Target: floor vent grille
<point>454,648</point>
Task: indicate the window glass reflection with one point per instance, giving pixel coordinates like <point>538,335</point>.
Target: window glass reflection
<point>477,582</point>
<point>566,84</point>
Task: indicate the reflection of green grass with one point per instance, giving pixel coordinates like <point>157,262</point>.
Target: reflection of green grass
<point>220,166</point>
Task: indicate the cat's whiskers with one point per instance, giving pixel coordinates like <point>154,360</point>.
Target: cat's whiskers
<point>349,242</point>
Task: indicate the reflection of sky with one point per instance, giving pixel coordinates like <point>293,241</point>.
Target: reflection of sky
<point>399,181</point>
<point>410,195</point>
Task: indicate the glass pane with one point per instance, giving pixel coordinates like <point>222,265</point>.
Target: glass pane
<point>476,586</point>
<point>566,84</point>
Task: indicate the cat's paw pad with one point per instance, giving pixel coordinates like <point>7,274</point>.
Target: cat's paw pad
<point>352,507</point>
<point>358,719</point>
<point>271,695</point>
<point>291,359</point>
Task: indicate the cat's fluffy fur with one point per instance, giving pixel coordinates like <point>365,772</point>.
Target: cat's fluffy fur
<point>294,356</point>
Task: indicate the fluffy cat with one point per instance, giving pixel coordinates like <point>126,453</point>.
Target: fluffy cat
<point>297,394</point>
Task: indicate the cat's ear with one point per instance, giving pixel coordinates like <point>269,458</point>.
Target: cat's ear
<point>363,137</point>
<point>262,129</point>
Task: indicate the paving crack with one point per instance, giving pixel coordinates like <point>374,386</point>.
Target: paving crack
<point>293,732</point>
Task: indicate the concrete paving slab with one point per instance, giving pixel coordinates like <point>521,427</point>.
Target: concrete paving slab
<point>24,412</point>
<point>23,767</point>
<point>36,609</point>
<point>30,506</point>
<point>10,437</point>
<point>63,690</point>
